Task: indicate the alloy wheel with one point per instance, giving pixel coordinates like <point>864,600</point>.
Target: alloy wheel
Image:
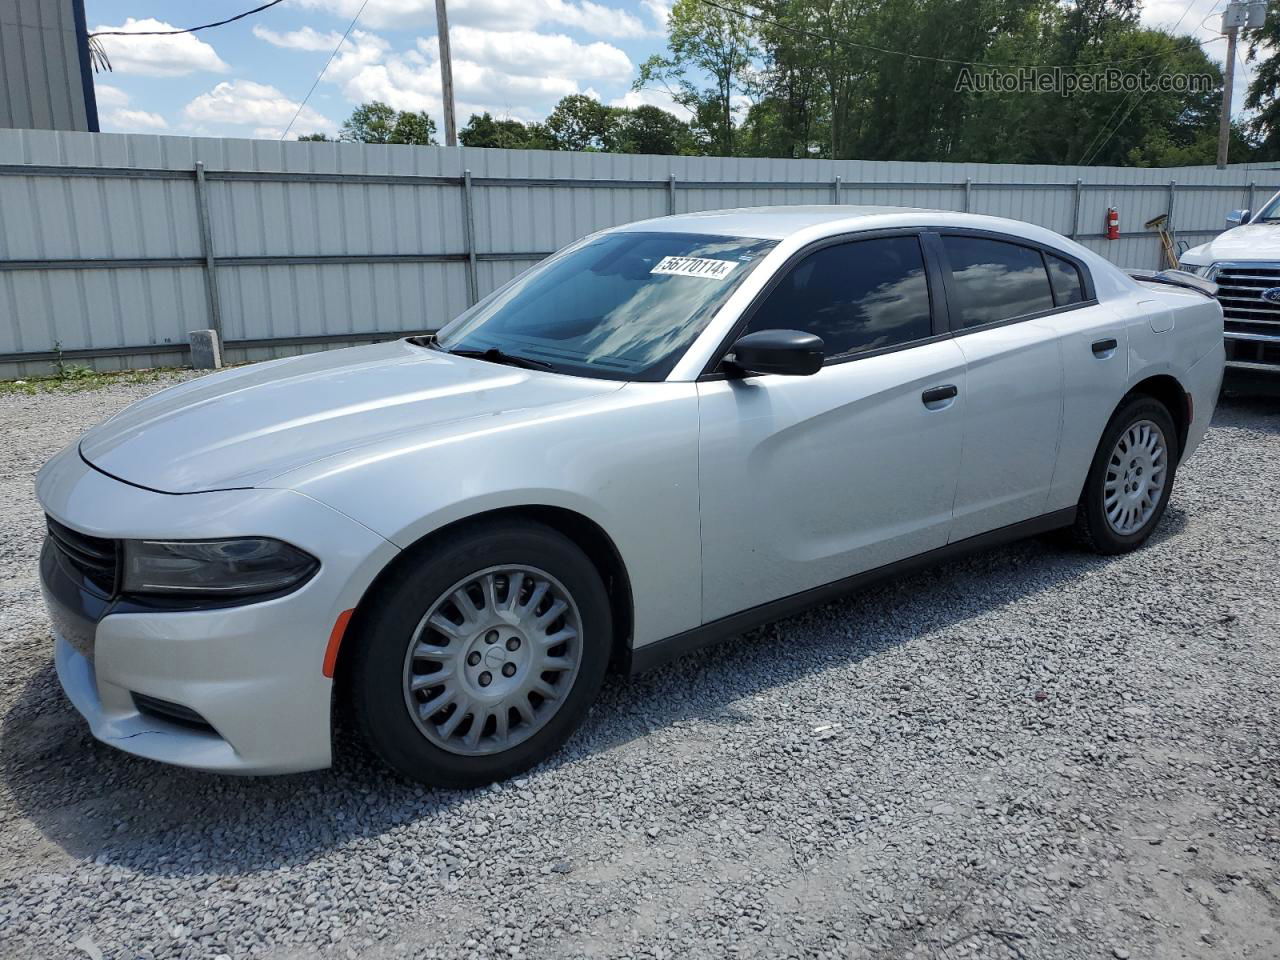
<point>1135,477</point>
<point>493,660</point>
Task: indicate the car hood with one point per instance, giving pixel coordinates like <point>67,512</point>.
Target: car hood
<point>1253,241</point>
<point>241,427</point>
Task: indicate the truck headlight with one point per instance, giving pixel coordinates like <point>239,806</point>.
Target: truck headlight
<point>1198,269</point>
<point>235,567</point>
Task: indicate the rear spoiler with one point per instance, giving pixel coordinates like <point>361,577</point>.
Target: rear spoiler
<point>1177,278</point>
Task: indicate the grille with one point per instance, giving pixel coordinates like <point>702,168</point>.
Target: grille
<point>1240,289</point>
<point>1252,351</point>
<point>92,556</point>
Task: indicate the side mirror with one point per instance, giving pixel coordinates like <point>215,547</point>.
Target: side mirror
<point>1236,217</point>
<point>788,352</point>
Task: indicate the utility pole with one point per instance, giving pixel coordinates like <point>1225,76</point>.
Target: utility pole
<point>1239,13</point>
<point>446,75</point>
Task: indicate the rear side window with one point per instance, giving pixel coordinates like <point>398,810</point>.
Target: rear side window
<point>1065,277</point>
<point>856,296</point>
<point>995,280</point>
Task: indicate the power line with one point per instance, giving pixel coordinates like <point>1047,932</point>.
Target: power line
<point>169,33</point>
<point>827,38</point>
<point>351,26</point>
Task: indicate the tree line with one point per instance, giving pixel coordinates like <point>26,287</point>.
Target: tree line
<point>578,122</point>
<point>893,80</point>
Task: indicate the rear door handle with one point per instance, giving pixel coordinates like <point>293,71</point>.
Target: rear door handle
<point>1104,348</point>
<point>935,398</point>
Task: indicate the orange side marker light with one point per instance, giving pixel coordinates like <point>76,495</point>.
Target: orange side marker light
<point>335,641</point>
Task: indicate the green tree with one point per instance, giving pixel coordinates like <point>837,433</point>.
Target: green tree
<point>316,137</point>
<point>538,136</point>
<point>705,40</point>
<point>580,122</point>
<point>482,130</point>
<point>377,122</point>
<point>1263,95</point>
<point>371,122</point>
<point>414,128</point>
<point>648,129</point>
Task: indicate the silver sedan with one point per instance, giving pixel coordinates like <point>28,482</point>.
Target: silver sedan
<point>662,435</point>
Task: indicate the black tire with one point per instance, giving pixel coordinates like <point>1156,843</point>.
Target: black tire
<point>1092,530</point>
<point>390,616</point>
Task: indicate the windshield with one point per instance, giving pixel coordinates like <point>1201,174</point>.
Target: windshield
<point>624,306</point>
<point>1269,213</point>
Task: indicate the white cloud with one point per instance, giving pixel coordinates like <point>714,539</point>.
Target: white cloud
<point>243,103</point>
<point>654,98</point>
<point>524,53</point>
<point>507,72</point>
<point>303,39</point>
<point>133,121</point>
<point>659,11</point>
<point>172,56</point>
<point>585,15</point>
<point>109,96</point>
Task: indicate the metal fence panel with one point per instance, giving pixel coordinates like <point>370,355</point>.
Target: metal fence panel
<point>113,247</point>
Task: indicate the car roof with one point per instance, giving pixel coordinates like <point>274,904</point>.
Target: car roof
<point>767,223</point>
<point>780,222</point>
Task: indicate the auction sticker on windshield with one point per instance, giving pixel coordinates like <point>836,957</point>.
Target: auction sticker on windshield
<point>695,267</point>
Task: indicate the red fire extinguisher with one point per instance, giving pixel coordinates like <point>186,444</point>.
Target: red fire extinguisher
<point>1113,224</point>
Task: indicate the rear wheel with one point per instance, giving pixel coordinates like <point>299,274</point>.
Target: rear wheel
<point>479,660</point>
<point>1131,478</point>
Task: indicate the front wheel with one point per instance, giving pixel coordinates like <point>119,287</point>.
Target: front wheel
<point>480,656</point>
<point>1131,478</point>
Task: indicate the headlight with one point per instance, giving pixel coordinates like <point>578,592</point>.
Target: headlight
<point>1198,269</point>
<point>245,565</point>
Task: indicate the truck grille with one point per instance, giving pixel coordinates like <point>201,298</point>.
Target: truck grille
<point>94,557</point>
<point>1251,323</point>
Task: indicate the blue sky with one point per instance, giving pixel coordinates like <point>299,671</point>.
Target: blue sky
<point>511,57</point>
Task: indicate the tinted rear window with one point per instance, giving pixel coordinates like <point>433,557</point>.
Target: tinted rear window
<point>995,280</point>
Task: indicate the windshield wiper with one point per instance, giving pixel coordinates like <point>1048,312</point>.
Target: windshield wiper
<point>494,355</point>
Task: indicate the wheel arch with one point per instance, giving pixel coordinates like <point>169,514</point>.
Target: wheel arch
<point>584,532</point>
<point>1169,391</point>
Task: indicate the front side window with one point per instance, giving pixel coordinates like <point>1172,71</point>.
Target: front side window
<point>856,296</point>
<point>994,280</point>
<point>624,306</point>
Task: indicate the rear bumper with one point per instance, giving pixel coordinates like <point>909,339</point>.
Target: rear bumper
<point>253,673</point>
<point>1203,382</point>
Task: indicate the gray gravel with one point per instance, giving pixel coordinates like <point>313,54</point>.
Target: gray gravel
<point>1034,753</point>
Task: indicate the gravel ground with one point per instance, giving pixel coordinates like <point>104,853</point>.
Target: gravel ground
<point>1034,753</point>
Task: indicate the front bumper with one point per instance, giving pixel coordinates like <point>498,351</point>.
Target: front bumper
<point>252,672</point>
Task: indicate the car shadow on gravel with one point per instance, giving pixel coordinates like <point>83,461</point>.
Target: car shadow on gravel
<point>1257,409</point>
<point>95,802</point>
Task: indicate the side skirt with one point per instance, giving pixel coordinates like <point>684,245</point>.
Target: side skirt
<point>660,652</point>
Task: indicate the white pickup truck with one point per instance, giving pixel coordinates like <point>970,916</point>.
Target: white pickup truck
<point>1245,264</point>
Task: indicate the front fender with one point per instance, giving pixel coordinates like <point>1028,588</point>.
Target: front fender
<point>627,461</point>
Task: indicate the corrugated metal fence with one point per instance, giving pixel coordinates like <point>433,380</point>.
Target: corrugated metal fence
<point>113,247</point>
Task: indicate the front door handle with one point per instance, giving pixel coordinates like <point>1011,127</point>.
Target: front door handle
<point>935,398</point>
<point>1102,349</point>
